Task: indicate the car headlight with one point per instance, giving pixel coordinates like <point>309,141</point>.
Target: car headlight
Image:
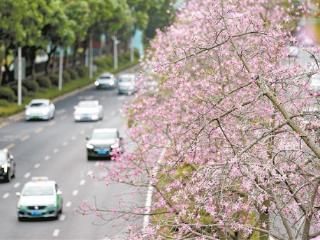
<point>90,146</point>
<point>5,167</point>
<point>96,83</point>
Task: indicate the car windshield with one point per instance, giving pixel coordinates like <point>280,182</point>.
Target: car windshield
<point>126,78</point>
<point>38,191</point>
<point>105,77</point>
<point>3,157</point>
<point>38,104</point>
<point>88,104</point>
<point>97,135</point>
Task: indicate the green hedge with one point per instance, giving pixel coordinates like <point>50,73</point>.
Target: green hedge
<point>7,93</point>
<point>31,85</point>
<point>44,81</point>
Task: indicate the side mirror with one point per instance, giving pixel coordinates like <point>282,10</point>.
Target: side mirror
<point>59,192</point>
<point>18,194</point>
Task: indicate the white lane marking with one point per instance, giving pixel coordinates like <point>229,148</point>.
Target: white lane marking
<point>52,123</point>
<point>82,182</point>
<point>96,164</point>
<point>55,150</point>
<point>10,146</point>
<point>113,113</point>
<point>121,98</point>
<point>6,195</point>
<point>56,233</point>
<point>146,219</point>
<point>64,144</point>
<point>46,158</point>
<point>16,185</point>
<point>75,192</point>
<point>90,173</point>
<point>73,138</point>
<point>61,111</point>
<point>62,217</point>
<point>37,165</point>
<point>24,138</point>
<point>38,130</point>
<point>68,204</point>
<point>27,175</point>
<point>82,132</point>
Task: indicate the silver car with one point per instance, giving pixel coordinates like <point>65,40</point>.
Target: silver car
<point>40,109</point>
<point>105,80</point>
<point>126,83</point>
<point>88,111</point>
<point>40,198</point>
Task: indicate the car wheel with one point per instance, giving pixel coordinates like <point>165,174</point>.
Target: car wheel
<point>13,173</point>
<point>8,177</point>
<point>88,158</point>
<point>20,219</point>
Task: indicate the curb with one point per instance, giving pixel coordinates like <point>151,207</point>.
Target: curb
<point>19,116</point>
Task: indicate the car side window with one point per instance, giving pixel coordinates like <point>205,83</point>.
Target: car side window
<point>56,187</point>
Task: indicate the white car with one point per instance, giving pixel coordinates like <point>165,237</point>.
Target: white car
<point>315,85</point>
<point>40,198</point>
<point>40,109</point>
<point>88,111</point>
<point>126,83</point>
<point>105,80</point>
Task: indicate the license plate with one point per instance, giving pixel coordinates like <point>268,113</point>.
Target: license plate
<point>102,151</point>
<point>35,213</point>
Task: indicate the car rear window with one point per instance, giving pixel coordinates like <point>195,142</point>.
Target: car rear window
<point>38,104</point>
<point>103,135</point>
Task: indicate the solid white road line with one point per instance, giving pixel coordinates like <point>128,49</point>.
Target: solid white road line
<point>82,182</point>
<point>46,158</point>
<point>55,150</point>
<point>37,165</point>
<point>75,192</point>
<point>27,175</point>
<point>68,204</point>
<point>56,233</point>
<point>24,138</point>
<point>10,146</point>
<point>38,130</point>
<point>16,185</point>
<point>146,218</point>
<point>6,195</point>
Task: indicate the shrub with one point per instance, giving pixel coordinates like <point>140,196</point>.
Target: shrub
<point>104,62</point>
<point>31,85</point>
<point>25,92</point>
<point>73,74</point>
<point>66,77</point>
<point>82,71</point>
<point>44,81</point>
<point>3,103</point>
<point>54,78</point>
<point>7,93</point>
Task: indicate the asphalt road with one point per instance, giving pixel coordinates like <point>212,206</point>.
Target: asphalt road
<point>56,149</point>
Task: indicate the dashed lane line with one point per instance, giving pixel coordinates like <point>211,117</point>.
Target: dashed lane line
<point>64,144</point>
<point>56,233</point>
<point>27,175</point>
<point>56,150</point>
<point>75,192</point>
<point>16,185</point>
<point>82,182</point>
<point>24,138</point>
<point>73,138</point>
<point>90,173</point>
<point>10,146</point>
<point>51,123</point>
<point>38,130</point>
<point>37,165</point>
<point>68,204</point>
<point>6,195</point>
<point>82,132</point>
<point>62,217</point>
<point>46,158</point>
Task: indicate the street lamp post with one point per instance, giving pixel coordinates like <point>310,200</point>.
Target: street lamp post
<point>19,76</point>
<point>60,69</point>
<point>115,52</point>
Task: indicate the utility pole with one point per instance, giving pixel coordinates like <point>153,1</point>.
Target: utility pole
<point>90,58</point>
<point>131,50</point>
<point>19,76</point>
<point>115,52</point>
<point>60,68</point>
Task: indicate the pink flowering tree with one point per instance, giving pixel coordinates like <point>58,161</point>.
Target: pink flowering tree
<point>228,118</point>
